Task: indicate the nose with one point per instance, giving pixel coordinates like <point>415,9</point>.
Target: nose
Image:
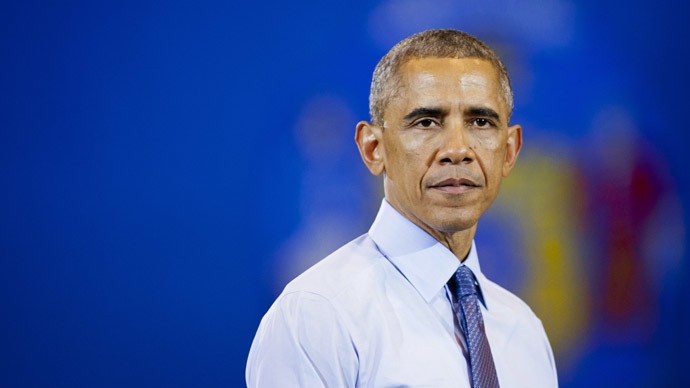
<point>455,148</point>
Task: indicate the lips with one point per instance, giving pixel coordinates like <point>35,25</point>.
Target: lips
<point>455,185</point>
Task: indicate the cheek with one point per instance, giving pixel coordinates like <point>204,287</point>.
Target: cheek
<point>413,151</point>
<point>488,141</point>
<point>491,152</point>
<point>408,163</point>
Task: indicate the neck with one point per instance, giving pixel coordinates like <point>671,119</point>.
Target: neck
<point>458,242</point>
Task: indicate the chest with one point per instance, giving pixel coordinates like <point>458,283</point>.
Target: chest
<point>412,343</point>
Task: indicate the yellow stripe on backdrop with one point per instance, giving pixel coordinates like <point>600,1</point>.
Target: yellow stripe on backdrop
<point>544,192</point>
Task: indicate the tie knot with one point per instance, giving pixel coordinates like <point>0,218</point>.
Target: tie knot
<point>466,282</point>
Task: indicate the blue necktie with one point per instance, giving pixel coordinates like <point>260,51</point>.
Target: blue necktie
<point>470,317</point>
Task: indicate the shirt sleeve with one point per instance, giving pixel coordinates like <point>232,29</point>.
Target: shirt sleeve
<point>549,351</point>
<point>301,342</point>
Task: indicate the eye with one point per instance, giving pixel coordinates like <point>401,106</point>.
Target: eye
<point>426,123</point>
<point>482,123</point>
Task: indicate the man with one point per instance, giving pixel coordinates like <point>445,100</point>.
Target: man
<point>406,305</point>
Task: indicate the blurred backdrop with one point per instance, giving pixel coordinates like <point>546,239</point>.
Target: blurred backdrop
<point>166,168</point>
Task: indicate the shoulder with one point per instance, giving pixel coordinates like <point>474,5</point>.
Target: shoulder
<point>356,264</point>
<point>335,288</point>
<point>520,328</point>
<point>305,338</point>
<point>514,312</point>
<point>506,300</point>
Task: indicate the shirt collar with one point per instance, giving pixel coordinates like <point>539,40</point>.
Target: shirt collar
<point>472,261</point>
<point>424,261</point>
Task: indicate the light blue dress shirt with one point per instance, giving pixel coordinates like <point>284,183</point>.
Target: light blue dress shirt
<point>378,313</point>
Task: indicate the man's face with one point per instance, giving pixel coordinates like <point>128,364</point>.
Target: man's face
<point>446,143</point>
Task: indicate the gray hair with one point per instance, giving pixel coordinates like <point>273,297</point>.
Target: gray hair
<point>432,43</point>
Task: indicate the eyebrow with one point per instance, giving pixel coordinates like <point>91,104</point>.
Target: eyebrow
<point>483,112</point>
<point>425,111</point>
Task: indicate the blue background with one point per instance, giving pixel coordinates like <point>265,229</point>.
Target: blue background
<point>165,166</point>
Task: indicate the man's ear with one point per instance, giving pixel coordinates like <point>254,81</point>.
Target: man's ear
<point>513,146</point>
<point>369,141</point>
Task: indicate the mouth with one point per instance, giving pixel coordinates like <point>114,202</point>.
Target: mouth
<point>455,185</point>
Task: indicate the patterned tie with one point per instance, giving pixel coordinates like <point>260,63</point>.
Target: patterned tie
<point>470,317</point>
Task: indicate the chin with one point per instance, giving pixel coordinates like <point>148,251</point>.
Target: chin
<point>450,223</point>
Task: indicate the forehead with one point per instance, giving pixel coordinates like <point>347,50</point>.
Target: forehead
<point>449,81</point>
